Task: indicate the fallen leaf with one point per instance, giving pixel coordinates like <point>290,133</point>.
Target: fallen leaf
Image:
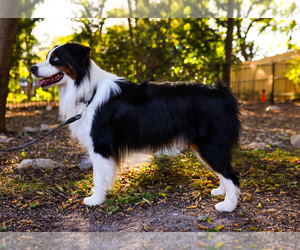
<point>163,195</point>
<point>191,214</point>
<point>26,221</point>
<point>219,227</point>
<point>219,244</point>
<point>200,227</point>
<point>33,204</point>
<point>220,197</point>
<point>201,244</point>
<point>66,206</point>
<point>192,207</point>
<point>24,206</point>
<point>59,188</point>
<point>252,246</point>
<point>75,206</point>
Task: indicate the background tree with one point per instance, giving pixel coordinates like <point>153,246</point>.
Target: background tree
<point>8,33</point>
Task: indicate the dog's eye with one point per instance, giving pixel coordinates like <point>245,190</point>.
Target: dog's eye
<point>55,59</point>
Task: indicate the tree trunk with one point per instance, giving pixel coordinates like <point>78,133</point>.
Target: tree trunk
<point>8,32</point>
<point>228,52</point>
<point>228,43</point>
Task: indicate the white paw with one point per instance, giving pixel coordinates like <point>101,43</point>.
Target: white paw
<point>92,201</point>
<point>225,206</point>
<point>217,191</point>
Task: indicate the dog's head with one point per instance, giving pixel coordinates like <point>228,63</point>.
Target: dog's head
<point>66,62</point>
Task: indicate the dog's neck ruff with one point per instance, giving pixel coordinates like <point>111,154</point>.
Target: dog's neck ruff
<point>100,86</point>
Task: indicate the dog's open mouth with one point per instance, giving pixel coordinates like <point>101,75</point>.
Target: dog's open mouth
<point>49,81</point>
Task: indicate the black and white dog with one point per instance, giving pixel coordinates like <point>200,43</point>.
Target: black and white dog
<point>124,117</point>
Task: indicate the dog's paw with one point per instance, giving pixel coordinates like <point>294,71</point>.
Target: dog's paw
<point>92,201</point>
<point>218,191</point>
<point>225,206</point>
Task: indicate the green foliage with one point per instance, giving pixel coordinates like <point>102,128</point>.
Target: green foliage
<point>293,73</point>
<point>42,95</point>
<point>155,49</point>
<point>23,58</point>
<point>16,97</point>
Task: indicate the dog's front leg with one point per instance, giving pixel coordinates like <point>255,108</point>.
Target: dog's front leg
<point>104,170</point>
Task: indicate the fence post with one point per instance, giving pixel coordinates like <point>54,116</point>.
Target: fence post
<point>273,83</point>
<point>253,68</point>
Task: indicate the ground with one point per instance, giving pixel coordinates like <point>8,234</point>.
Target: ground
<point>166,195</point>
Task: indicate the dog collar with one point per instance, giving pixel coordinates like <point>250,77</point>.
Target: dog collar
<point>87,103</point>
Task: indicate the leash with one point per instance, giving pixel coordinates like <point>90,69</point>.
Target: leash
<point>69,121</point>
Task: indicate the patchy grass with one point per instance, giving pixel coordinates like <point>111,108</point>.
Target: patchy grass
<point>272,170</point>
<point>268,180</point>
<point>259,170</point>
<point>157,180</point>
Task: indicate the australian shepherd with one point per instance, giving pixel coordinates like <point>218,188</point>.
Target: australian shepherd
<point>123,117</point>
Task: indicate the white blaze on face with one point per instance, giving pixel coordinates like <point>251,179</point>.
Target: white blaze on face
<point>45,68</point>
<point>51,74</point>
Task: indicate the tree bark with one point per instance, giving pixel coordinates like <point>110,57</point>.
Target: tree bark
<point>228,43</point>
<point>8,32</point>
<point>228,52</point>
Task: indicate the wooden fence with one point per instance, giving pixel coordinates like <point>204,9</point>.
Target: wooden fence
<point>249,79</point>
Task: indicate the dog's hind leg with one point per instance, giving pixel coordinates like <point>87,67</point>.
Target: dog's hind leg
<point>104,171</point>
<point>221,190</point>
<point>231,198</point>
<point>220,164</point>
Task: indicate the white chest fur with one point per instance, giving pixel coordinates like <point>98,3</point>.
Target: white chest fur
<point>100,82</point>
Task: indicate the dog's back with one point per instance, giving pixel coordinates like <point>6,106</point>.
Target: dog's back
<point>152,116</point>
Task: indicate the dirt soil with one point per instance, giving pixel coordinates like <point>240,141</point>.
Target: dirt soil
<point>59,210</point>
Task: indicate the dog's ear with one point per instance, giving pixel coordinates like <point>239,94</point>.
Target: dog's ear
<point>79,62</point>
<point>79,52</point>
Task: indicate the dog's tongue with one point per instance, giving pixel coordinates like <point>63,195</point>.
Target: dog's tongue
<point>49,80</point>
<point>44,81</point>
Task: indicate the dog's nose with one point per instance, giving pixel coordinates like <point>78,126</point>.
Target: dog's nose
<point>34,69</point>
